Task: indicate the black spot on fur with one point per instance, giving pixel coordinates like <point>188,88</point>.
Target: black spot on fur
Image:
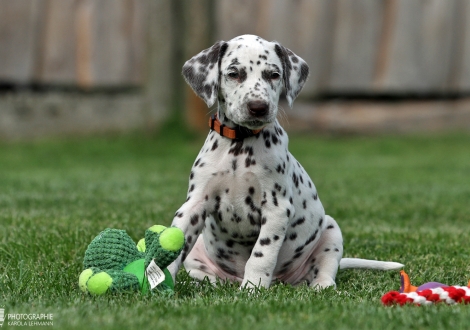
<point>252,219</point>
<point>295,179</point>
<point>242,75</point>
<point>311,238</point>
<point>274,198</point>
<point>274,139</point>
<point>222,254</point>
<point>297,255</point>
<point>236,147</point>
<point>265,241</point>
<point>194,219</point>
<point>234,164</point>
<point>298,222</point>
<point>286,265</point>
<point>215,145</point>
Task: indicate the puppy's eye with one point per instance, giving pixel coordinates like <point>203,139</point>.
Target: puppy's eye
<point>275,75</point>
<point>233,74</point>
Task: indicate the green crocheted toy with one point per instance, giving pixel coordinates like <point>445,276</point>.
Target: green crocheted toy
<point>114,263</point>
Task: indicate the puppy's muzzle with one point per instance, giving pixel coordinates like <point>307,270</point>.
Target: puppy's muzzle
<point>258,108</point>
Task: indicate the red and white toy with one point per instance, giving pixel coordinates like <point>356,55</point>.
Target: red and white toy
<point>426,294</point>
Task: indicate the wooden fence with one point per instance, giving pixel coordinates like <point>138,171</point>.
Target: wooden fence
<point>364,46</point>
<point>353,47</point>
<point>84,43</point>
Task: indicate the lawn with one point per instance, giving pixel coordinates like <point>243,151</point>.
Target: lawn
<point>404,199</point>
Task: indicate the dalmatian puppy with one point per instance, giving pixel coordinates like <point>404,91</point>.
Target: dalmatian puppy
<point>252,213</point>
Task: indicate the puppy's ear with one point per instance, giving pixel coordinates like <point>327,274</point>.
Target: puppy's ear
<point>201,72</point>
<point>295,72</point>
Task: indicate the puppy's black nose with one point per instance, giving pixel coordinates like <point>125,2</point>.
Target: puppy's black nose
<point>258,108</point>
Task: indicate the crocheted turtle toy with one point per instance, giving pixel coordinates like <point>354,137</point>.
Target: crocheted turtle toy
<point>114,263</point>
<point>426,294</point>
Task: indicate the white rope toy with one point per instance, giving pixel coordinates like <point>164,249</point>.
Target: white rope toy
<point>426,294</point>
<point>450,295</point>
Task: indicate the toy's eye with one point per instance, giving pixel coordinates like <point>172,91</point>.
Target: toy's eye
<point>233,74</point>
<point>275,75</point>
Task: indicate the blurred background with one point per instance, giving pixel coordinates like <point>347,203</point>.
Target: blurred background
<point>78,67</point>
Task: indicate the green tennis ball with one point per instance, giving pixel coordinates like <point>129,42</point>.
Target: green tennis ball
<point>141,245</point>
<point>172,239</point>
<point>99,283</point>
<point>157,228</point>
<point>84,276</point>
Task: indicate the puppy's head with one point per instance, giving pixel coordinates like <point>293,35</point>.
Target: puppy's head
<point>246,75</point>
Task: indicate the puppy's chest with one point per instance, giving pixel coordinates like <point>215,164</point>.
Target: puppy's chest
<point>239,177</point>
<point>254,154</point>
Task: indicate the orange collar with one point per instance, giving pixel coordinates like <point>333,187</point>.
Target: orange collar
<point>237,133</point>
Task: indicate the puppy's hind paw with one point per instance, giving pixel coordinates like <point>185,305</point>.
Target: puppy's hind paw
<point>323,282</point>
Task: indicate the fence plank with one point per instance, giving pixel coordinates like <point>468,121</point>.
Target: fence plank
<point>420,56</point>
<point>356,44</point>
<point>18,36</point>
<point>315,25</point>
<point>200,35</point>
<point>117,42</point>
<point>462,74</point>
<point>159,73</point>
<point>57,64</point>
<point>234,18</point>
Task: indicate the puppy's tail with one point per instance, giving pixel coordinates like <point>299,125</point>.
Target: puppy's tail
<point>346,263</point>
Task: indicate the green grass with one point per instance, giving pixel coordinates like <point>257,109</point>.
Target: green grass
<point>405,199</point>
